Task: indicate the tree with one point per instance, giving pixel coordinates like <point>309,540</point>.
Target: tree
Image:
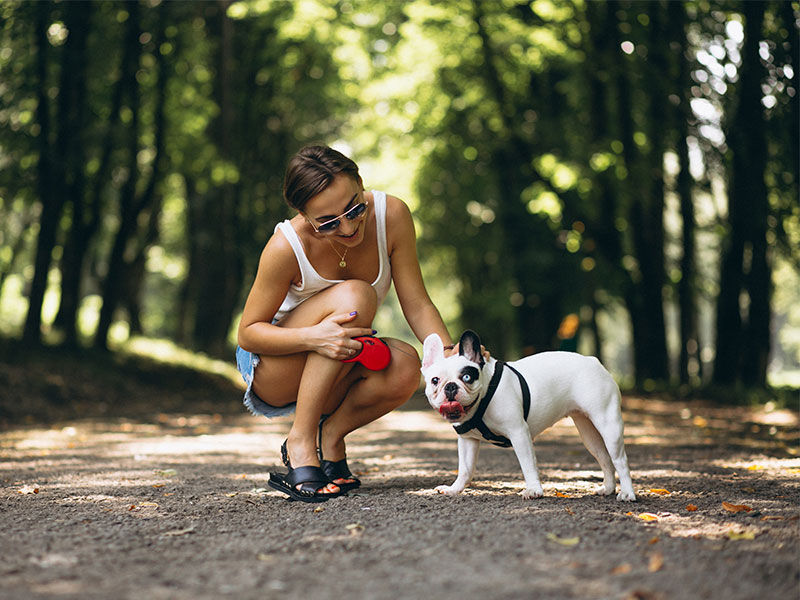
<point>59,150</point>
<point>743,344</point>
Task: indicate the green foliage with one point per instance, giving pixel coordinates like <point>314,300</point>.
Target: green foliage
<point>539,144</point>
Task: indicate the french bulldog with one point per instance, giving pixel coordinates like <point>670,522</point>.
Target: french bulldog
<point>511,403</point>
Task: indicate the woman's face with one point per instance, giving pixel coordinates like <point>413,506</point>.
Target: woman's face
<point>331,203</point>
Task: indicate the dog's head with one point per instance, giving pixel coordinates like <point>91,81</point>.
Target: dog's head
<point>454,384</point>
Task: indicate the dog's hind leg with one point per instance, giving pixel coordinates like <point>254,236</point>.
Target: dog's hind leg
<point>610,426</point>
<point>596,446</point>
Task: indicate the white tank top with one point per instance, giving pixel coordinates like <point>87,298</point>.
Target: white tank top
<point>312,282</point>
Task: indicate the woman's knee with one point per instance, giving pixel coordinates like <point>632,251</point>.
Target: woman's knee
<point>355,295</point>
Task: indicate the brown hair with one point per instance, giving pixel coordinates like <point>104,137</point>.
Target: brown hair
<point>312,170</point>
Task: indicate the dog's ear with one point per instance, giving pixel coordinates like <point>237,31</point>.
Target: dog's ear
<point>469,346</point>
<point>432,350</point>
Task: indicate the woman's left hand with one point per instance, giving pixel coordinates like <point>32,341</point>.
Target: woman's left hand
<point>451,350</point>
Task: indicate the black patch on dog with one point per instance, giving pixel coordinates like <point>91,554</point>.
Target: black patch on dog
<point>469,372</point>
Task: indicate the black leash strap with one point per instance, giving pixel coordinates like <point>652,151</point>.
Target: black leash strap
<point>476,422</point>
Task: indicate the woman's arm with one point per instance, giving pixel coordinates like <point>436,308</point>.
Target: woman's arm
<point>277,268</point>
<point>420,312</point>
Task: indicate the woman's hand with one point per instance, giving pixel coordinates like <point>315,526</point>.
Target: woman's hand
<point>332,339</point>
<point>453,349</point>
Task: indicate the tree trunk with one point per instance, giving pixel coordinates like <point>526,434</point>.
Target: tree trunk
<point>216,264</point>
<point>629,192</point>
<point>117,282</point>
<point>47,173</point>
<point>649,238</point>
<point>689,363</point>
<point>745,278</point>
<point>753,143</point>
<point>87,207</point>
<point>74,132</point>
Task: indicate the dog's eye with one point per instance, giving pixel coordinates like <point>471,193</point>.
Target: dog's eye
<point>467,378</point>
<point>435,381</point>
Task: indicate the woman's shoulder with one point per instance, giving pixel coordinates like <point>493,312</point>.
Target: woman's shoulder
<point>397,208</point>
<point>400,229</point>
<point>278,252</point>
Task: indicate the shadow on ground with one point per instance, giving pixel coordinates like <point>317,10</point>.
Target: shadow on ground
<point>174,503</point>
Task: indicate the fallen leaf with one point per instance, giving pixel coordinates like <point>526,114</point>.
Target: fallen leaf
<point>755,467</point>
<point>319,509</point>
<point>735,508</point>
<point>749,490</point>
<point>699,421</point>
<point>165,472</point>
<point>794,471</point>
<point>560,495</point>
<point>159,485</point>
<point>232,495</point>
<point>148,504</point>
<point>569,512</point>
<point>176,532</point>
<point>642,595</point>
<point>648,517</point>
<point>660,492</point>
<point>771,518</point>
<point>653,540</point>
<point>656,562</point>
<point>741,535</point>
<point>568,542</point>
<point>28,489</point>
<point>622,569</point>
<point>691,508</point>
<point>355,528</point>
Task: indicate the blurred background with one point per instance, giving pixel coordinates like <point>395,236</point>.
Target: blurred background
<point>614,177</point>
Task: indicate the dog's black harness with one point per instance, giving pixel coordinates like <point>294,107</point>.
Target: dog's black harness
<point>476,421</point>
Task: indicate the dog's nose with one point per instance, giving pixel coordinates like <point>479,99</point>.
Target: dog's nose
<point>450,390</point>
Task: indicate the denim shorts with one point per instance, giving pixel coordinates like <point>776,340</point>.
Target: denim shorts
<point>246,363</point>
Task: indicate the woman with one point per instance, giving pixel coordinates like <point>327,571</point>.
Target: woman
<point>320,280</point>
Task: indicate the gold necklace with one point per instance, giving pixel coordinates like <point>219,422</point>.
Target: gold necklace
<point>342,262</point>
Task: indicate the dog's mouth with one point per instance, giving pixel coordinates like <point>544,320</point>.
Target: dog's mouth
<point>452,411</point>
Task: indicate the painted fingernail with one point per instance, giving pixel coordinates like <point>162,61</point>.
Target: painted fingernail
<point>354,313</point>
<point>374,331</point>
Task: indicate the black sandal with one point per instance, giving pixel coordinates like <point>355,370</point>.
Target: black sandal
<point>310,479</point>
<point>335,469</point>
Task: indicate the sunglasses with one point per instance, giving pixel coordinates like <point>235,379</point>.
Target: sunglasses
<point>351,215</point>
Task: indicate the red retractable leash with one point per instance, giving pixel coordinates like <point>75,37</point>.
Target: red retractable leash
<point>375,354</point>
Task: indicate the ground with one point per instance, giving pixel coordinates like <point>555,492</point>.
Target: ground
<point>137,481</point>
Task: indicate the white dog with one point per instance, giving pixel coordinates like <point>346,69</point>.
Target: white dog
<point>509,404</point>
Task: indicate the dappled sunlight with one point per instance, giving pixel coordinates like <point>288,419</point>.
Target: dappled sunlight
<point>168,352</point>
<point>178,480</point>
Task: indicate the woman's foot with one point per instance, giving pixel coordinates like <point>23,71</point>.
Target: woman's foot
<point>337,469</point>
<point>300,455</point>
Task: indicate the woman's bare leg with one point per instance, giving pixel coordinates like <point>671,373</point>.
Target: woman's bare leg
<point>368,395</point>
<point>310,378</point>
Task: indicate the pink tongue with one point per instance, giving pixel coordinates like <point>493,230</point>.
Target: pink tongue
<point>451,408</point>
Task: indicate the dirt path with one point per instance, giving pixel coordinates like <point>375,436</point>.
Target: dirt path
<point>178,507</point>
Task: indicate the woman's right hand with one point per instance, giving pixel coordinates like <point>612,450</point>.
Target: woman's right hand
<point>333,339</point>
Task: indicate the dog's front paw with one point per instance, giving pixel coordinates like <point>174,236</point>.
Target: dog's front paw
<point>626,496</point>
<point>449,490</point>
<point>534,492</point>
